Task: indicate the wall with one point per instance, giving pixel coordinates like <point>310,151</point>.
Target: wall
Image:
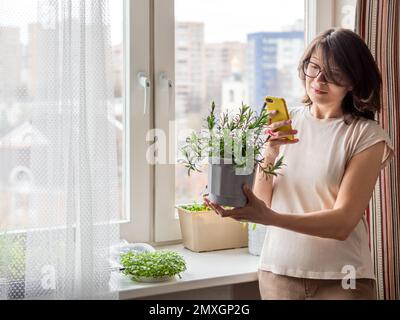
<point>345,13</point>
<point>241,291</point>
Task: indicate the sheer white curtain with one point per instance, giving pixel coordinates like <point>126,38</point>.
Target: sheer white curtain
<point>59,178</point>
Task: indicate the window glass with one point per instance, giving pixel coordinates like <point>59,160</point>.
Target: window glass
<point>231,52</point>
<point>19,29</point>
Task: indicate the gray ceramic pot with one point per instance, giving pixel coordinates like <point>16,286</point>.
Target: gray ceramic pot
<point>225,183</point>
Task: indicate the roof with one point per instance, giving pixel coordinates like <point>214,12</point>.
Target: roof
<point>22,137</point>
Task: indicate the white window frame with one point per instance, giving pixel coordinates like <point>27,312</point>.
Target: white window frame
<point>166,226</point>
<point>345,13</point>
<point>138,175</point>
<point>325,14</point>
<point>320,16</point>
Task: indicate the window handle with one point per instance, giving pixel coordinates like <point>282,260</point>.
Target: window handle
<point>146,84</point>
<point>165,82</point>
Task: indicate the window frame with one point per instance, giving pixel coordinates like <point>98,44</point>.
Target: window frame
<point>322,15</point>
<point>166,225</point>
<point>138,173</point>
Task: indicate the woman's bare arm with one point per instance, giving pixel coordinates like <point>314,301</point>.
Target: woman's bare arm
<point>263,185</point>
<point>337,223</point>
<point>354,194</point>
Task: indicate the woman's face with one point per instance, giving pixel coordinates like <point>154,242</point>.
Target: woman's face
<point>320,90</point>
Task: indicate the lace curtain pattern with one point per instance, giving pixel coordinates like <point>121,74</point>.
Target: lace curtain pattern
<point>58,170</point>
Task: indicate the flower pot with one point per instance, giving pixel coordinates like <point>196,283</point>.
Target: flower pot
<point>225,183</point>
<point>207,231</point>
<point>256,238</point>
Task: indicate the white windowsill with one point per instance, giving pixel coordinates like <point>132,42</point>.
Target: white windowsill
<point>206,269</point>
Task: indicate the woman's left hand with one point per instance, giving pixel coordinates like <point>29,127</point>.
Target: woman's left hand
<point>255,210</point>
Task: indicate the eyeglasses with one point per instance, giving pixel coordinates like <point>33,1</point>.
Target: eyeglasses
<point>313,70</point>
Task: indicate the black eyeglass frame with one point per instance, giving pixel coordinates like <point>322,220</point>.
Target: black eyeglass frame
<point>305,65</point>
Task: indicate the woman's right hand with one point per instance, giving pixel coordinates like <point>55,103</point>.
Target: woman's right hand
<point>278,138</point>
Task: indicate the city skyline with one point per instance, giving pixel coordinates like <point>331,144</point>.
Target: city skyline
<point>229,73</point>
<point>223,62</point>
<point>226,20</point>
<point>25,47</point>
<point>27,14</point>
<point>204,69</point>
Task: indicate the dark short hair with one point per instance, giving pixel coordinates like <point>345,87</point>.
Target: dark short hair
<point>348,52</point>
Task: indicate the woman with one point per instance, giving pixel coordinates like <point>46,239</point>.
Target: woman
<point>316,245</point>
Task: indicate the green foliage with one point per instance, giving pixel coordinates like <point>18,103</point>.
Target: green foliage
<point>239,138</point>
<point>12,256</point>
<point>211,118</point>
<point>202,207</point>
<point>273,168</point>
<point>195,207</point>
<point>156,264</point>
<point>245,223</point>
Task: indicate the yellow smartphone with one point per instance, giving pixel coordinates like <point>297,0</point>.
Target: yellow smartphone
<point>279,104</point>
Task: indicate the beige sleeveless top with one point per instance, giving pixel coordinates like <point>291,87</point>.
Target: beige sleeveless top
<point>310,182</point>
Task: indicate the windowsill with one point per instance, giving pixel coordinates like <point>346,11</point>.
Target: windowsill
<point>206,269</point>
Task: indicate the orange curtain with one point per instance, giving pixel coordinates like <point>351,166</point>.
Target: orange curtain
<point>378,24</point>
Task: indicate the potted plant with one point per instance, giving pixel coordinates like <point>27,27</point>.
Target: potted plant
<point>233,145</point>
<point>152,266</point>
<point>204,230</point>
